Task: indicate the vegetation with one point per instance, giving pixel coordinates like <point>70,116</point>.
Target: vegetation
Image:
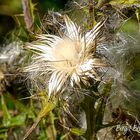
<point>40,100</point>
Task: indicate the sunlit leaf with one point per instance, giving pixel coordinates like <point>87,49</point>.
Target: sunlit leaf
<point>18,120</point>
<point>130,27</point>
<point>124,2</point>
<point>78,131</point>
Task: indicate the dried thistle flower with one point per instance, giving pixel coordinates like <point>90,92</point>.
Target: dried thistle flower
<point>66,59</point>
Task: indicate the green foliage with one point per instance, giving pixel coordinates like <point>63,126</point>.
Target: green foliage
<point>130,27</point>
<point>8,120</point>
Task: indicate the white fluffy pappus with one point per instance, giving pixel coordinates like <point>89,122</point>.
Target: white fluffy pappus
<point>67,59</point>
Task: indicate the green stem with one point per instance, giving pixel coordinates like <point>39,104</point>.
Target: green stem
<point>52,119</point>
<point>88,106</point>
<point>95,115</point>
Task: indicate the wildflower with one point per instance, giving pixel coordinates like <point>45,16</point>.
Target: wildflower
<point>67,59</point>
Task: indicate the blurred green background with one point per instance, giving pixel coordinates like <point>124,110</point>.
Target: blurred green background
<point>11,11</point>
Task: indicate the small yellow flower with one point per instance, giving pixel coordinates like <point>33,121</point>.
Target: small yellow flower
<point>67,60</point>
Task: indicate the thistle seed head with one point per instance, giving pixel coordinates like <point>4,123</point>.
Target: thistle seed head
<point>67,59</point>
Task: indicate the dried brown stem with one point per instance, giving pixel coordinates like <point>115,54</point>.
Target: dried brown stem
<point>91,13</point>
<point>27,14</point>
<point>32,128</point>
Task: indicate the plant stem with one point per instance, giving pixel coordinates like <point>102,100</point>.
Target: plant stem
<point>94,107</point>
<point>28,17</point>
<point>53,130</point>
<point>91,19</point>
<point>88,106</point>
